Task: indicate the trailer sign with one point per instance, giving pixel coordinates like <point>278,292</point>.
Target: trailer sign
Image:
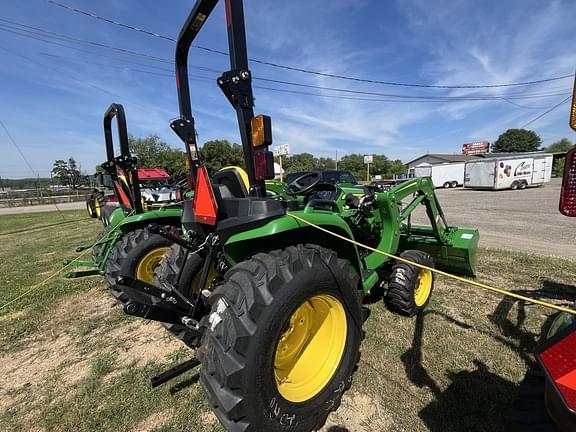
<point>475,148</point>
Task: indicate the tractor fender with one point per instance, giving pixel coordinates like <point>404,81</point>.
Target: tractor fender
<point>286,231</point>
<point>169,216</point>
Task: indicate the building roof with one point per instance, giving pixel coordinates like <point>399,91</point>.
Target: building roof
<point>447,157</point>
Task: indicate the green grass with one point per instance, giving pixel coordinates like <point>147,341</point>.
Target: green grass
<point>71,362</point>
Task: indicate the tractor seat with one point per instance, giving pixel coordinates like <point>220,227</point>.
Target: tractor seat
<point>234,181</point>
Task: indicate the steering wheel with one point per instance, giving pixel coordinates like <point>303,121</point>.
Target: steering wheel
<point>303,184</point>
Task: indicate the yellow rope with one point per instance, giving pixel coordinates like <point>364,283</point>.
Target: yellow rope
<point>440,272</point>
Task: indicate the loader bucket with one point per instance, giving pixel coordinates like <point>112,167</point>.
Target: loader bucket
<point>456,255</point>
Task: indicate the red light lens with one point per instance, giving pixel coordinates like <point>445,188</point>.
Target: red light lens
<point>263,165</point>
<point>559,360</point>
<point>205,207</point>
<point>568,191</point>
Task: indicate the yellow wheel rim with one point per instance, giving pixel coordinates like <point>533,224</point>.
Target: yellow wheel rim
<point>310,349</point>
<point>89,209</point>
<point>423,288</point>
<point>146,266</point>
<point>97,207</point>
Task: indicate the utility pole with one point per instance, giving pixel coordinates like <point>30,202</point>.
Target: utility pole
<point>336,160</point>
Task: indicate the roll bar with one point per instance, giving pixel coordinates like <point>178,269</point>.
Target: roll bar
<point>128,193</point>
<point>236,84</point>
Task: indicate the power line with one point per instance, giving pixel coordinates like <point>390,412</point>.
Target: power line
<point>49,34</point>
<point>18,148</point>
<point>547,111</point>
<point>308,71</point>
<point>390,98</point>
<point>76,40</point>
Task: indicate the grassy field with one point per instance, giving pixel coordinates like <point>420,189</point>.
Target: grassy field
<point>71,361</point>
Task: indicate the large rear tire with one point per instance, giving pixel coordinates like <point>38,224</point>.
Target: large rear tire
<point>410,287</point>
<point>136,254</point>
<point>282,341</point>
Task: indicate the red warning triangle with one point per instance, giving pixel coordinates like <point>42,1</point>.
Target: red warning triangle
<point>205,207</point>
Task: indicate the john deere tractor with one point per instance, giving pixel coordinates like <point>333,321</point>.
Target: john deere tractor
<point>269,291</point>
<point>125,246</point>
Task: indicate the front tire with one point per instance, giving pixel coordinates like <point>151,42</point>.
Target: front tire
<point>410,287</point>
<point>282,340</point>
<point>136,254</point>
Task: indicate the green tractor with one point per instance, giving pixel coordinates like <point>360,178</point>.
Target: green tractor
<point>125,245</point>
<point>269,290</point>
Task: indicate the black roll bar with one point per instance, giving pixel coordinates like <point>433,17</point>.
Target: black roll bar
<point>125,161</point>
<point>236,83</point>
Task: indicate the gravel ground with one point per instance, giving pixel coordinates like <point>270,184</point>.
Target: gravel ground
<point>43,208</point>
<point>523,220</point>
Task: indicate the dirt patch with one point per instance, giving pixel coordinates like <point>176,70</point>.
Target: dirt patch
<point>208,418</point>
<point>358,413</point>
<point>141,343</point>
<point>22,372</point>
<point>154,421</point>
<point>58,351</point>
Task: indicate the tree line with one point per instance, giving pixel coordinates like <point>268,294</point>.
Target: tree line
<point>152,152</point>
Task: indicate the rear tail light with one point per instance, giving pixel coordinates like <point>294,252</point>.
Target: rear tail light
<point>558,359</point>
<point>568,190</point>
<point>263,165</point>
<point>205,207</point>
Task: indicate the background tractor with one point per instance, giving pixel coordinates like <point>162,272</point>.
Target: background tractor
<point>125,246</point>
<point>269,290</point>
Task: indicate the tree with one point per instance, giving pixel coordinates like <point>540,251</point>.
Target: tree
<point>60,171</point>
<point>397,168</point>
<point>299,162</point>
<point>323,164</point>
<point>67,173</point>
<point>217,154</point>
<point>74,175</point>
<point>559,147</point>
<point>517,141</point>
<point>152,152</point>
<point>353,163</point>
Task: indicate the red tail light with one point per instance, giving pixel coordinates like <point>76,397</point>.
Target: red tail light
<point>263,165</point>
<point>558,358</point>
<point>568,191</point>
<point>205,207</point>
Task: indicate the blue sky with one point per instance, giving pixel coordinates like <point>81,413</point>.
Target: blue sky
<point>52,97</point>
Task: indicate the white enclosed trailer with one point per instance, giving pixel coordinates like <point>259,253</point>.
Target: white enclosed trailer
<point>443,175</point>
<point>508,172</point>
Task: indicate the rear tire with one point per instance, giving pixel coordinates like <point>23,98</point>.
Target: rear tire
<point>176,264</point>
<point>136,255</point>
<point>454,184</point>
<point>262,329</point>
<point>90,207</point>
<point>514,185</point>
<point>446,185</point>
<point>410,288</point>
<point>105,213</point>
<point>522,185</point>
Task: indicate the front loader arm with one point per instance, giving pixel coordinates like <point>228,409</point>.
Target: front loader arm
<point>422,190</point>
